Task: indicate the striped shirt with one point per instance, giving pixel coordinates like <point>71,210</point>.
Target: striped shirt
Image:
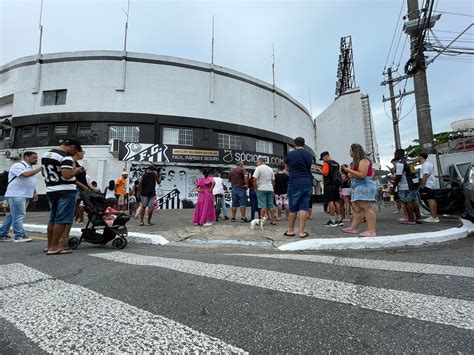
<point>53,161</point>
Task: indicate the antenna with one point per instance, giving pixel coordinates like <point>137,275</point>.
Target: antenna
<point>212,44</point>
<point>40,29</point>
<point>126,26</point>
<point>273,74</point>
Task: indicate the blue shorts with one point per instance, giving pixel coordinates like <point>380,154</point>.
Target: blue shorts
<point>148,201</point>
<point>62,206</point>
<point>265,199</point>
<point>299,197</point>
<point>408,195</point>
<point>239,197</point>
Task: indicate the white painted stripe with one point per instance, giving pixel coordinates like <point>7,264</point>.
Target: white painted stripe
<point>419,268</point>
<point>454,312</point>
<point>64,318</point>
<point>136,237</point>
<point>390,241</point>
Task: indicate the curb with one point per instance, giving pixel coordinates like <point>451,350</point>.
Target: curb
<point>132,236</point>
<point>391,241</point>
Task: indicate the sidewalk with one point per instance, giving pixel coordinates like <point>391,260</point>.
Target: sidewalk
<point>176,227</point>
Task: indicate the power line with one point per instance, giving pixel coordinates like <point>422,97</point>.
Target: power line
<point>454,13</point>
<point>395,32</point>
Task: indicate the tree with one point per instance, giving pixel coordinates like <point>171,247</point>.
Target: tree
<point>414,150</point>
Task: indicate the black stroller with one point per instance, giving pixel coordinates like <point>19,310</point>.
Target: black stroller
<point>96,230</point>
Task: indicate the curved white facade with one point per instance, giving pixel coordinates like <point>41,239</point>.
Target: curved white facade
<point>155,85</point>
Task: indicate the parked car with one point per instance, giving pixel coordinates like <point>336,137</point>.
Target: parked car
<point>456,192</point>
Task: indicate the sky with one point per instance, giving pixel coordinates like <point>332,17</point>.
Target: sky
<point>305,35</point>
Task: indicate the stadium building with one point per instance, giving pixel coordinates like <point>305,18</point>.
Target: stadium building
<point>127,111</point>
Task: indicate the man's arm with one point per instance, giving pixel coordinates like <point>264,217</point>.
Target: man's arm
<point>28,173</point>
<point>158,178</point>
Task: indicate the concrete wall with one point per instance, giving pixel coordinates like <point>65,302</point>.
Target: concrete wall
<point>340,125</point>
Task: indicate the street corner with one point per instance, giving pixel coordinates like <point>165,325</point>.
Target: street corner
<point>382,242</point>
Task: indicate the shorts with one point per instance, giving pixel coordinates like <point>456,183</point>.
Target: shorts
<point>239,197</point>
<point>331,193</point>
<point>121,200</point>
<point>265,199</point>
<point>281,200</point>
<point>426,193</point>
<point>408,195</point>
<point>347,191</point>
<point>148,201</point>
<point>396,196</point>
<point>299,197</point>
<point>62,206</point>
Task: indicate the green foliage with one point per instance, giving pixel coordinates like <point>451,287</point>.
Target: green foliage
<point>440,138</point>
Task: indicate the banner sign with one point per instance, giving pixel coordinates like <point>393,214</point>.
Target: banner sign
<point>165,153</point>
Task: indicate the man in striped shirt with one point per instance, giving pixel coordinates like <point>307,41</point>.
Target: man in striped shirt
<point>59,173</point>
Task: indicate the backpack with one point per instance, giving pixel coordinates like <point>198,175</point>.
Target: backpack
<point>3,182</point>
<point>335,174</point>
<point>410,174</point>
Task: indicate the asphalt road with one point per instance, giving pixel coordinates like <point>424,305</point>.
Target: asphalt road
<point>158,298</point>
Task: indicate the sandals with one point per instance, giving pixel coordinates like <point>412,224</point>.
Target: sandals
<point>349,230</point>
<point>286,234</point>
<point>60,252</point>
<point>304,235</point>
<point>368,233</point>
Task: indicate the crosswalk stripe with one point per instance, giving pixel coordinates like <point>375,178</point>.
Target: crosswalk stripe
<point>442,310</point>
<point>376,264</point>
<point>61,317</point>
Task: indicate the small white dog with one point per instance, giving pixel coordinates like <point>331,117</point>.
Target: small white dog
<point>258,222</point>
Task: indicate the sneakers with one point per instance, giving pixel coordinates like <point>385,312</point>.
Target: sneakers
<point>207,224</point>
<point>5,238</point>
<point>340,223</point>
<point>226,218</point>
<point>22,239</point>
<point>330,224</point>
<point>431,220</point>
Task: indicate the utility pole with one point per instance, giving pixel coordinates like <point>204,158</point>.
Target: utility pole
<point>420,85</point>
<point>396,131</point>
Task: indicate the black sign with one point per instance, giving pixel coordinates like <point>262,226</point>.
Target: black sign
<point>163,153</point>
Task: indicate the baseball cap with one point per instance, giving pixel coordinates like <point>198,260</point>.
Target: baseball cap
<point>71,141</point>
<point>323,154</point>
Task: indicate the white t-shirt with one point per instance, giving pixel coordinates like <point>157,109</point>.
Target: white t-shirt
<point>403,184</point>
<point>21,186</point>
<point>428,169</point>
<point>218,187</point>
<point>264,175</point>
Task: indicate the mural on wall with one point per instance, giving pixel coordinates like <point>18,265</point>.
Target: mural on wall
<point>177,188</point>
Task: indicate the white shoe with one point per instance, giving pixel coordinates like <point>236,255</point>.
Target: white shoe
<point>207,224</point>
<point>431,220</point>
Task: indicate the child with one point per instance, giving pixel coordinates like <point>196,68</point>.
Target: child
<point>132,203</point>
<point>110,216</point>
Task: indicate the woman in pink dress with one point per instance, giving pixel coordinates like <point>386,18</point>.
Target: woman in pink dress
<point>204,213</point>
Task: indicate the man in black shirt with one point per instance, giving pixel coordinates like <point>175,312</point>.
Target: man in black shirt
<point>147,192</point>
<point>281,191</point>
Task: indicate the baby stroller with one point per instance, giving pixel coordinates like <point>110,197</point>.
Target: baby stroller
<point>96,230</point>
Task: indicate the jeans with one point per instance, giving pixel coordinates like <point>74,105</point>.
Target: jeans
<point>253,204</point>
<point>17,214</point>
<point>219,201</point>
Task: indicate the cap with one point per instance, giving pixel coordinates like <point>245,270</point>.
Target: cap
<point>124,172</point>
<point>323,154</point>
<point>71,141</point>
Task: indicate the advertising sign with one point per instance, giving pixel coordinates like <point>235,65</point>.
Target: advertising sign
<point>165,153</point>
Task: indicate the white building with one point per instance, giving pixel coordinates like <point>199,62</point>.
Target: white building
<point>97,96</point>
<point>347,120</point>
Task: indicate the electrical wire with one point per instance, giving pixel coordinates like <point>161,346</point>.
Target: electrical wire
<point>395,32</point>
<point>453,13</point>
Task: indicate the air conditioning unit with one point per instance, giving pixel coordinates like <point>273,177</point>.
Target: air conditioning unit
<point>114,147</point>
<point>12,154</point>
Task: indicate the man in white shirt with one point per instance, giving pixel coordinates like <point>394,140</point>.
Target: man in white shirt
<point>265,183</point>
<point>218,191</point>
<point>428,183</point>
<point>20,190</point>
